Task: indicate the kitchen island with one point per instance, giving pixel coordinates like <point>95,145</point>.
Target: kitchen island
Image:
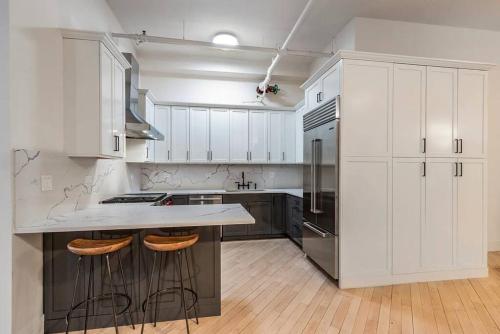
<point>138,220</point>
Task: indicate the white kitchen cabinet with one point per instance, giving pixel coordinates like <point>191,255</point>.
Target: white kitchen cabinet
<point>276,134</point>
<point>289,138</point>
<point>330,84</point>
<point>408,214</point>
<point>162,123</point>
<point>258,135</point>
<point>471,213</point>
<point>199,145</point>
<point>312,95</point>
<point>440,218</point>
<point>366,111</point>
<point>365,233</point>
<point>299,135</point>
<point>149,114</point>
<point>409,111</point>
<point>238,135</point>
<point>441,111</point>
<point>179,134</point>
<point>94,96</point>
<point>281,137</point>
<point>471,114</point>
<point>219,135</point>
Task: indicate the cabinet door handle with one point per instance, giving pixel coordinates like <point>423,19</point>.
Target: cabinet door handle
<point>424,169</point>
<point>320,96</point>
<point>250,153</point>
<point>168,155</point>
<point>147,152</point>
<point>211,155</point>
<point>187,155</point>
<point>248,159</point>
<point>456,169</point>
<point>208,155</point>
<point>268,156</point>
<point>317,97</point>
<point>283,154</point>
<point>424,145</point>
<point>461,146</point>
<point>456,146</point>
<point>117,143</point>
<point>461,169</point>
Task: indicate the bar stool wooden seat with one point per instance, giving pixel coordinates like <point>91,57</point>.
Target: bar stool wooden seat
<point>178,244</point>
<point>92,248</point>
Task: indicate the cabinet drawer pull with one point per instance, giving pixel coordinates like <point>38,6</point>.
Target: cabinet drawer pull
<point>461,169</point>
<point>117,143</point>
<point>456,146</point>
<point>424,167</point>
<point>461,146</point>
<point>456,169</point>
<point>424,145</point>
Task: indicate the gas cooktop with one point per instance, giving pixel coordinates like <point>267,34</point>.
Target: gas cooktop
<point>136,198</point>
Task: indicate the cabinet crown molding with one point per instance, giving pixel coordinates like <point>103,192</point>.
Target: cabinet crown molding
<point>102,37</point>
<point>393,58</point>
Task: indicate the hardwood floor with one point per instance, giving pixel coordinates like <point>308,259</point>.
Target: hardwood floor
<point>269,287</point>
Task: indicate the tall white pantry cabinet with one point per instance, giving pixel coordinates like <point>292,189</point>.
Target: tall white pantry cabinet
<point>413,167</point>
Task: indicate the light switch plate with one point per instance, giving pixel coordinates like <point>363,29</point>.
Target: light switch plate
<point>46,183</point>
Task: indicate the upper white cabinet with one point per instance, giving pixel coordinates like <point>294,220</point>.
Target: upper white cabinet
<point>281,137</point>
<point>441,112</point>
<point>150,117</point>
<point>366,108</point>
<point>409,111</point>
<point>179,137</point>
<point>471,115</point>
<point>162,124</point>
<point>238,136</point>
<point>258,135</point>
<point>219,135</point>
<point>326,88</point>
<point>94,96</point>
<point>299,135</point>
<point>199,134</point>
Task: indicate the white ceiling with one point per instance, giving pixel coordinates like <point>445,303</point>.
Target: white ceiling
<point>268,22</point>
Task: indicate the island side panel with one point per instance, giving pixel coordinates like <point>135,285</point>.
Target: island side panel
<point>60,270</point>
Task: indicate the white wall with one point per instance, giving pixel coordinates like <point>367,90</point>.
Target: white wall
<point>36,122</point>
<point>452,43</point>
<point>5,174</point>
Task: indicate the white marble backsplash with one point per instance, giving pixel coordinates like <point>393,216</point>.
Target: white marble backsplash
<point>170,177</point>
<point>77,183</point>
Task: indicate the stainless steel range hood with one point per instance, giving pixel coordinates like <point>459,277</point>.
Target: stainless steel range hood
<point>136,126</point>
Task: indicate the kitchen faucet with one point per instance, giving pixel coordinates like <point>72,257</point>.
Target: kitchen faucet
<point>243,185</point>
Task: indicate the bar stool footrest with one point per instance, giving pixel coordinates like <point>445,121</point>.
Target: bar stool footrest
<point>170,290</point>
<point>102,297</point>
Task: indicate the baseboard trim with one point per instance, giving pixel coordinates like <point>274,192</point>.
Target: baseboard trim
<point>364,281</point>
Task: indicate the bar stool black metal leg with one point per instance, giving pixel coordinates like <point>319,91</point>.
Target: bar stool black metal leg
<point>183,297</point>
<point>125,288</point>
<point>191,283</point>
<point>149,292</point>
<point>68,316</point>
<point>112,294</point>
<point>90,286</point>
<point>158,294</point>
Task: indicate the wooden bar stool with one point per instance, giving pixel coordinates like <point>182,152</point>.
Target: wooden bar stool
<point>179,245</point>
<point>92,248</point>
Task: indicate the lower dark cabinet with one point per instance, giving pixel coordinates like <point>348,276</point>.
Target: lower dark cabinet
<point>294,215</point>
<point>278,225</point>
<point>180,200</point>
<point>262,213</point>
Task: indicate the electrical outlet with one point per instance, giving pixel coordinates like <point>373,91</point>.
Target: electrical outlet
<point>46,183</point>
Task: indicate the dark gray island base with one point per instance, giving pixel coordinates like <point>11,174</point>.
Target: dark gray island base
<point>59,273</point>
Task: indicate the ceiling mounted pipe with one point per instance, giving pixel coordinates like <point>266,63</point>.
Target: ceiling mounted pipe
<point>144,38</point>
<point>262,87</point>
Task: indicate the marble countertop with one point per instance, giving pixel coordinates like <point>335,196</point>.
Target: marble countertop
<point>293,192</point>
<point>137,216</point>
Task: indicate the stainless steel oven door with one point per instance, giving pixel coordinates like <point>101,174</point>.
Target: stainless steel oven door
<point>321,247</point>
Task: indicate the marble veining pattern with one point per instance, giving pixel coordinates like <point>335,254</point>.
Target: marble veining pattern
<point>77,184</point>
<point>172,177</point>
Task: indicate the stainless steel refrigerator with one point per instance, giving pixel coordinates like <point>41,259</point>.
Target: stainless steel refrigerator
<point>321,179</point>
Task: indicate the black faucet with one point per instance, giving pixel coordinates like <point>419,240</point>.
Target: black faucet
<point>243,185</point>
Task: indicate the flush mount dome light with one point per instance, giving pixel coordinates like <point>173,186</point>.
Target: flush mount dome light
<point>225,38</point>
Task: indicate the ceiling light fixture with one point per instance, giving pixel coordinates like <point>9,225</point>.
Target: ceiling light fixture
<point>224,38</point>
